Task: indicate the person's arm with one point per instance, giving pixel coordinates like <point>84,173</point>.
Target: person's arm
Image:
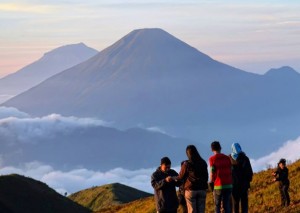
<point>211,175</point>
<point>180,178</point>
<point>211,171</point>
<point>157,183</point>
<point>183,171</point>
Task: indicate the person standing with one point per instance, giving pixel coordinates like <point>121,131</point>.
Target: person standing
<point>282,176</point>
<point>241,177</point>
<point>164,184</point>
<point>194,174</point>
<point>221,178</point>
<point>181,196</point>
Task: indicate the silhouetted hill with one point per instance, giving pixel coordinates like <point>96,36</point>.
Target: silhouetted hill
<point>19,194</point>
<point>101,197</point>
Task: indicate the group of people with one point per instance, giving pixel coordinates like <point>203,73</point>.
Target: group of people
<point>229,178</point>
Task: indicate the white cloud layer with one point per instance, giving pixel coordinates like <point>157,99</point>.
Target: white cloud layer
<point>16,126</point>
<point>23,127</point>
<point>79,179</point>
<point>289,150</point>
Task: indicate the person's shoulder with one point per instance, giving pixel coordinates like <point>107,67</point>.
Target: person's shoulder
<point>223,156</point>
<point>172,172</point>
<point>157,171</point>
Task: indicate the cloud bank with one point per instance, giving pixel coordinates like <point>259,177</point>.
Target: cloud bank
<point>79,179</point>
<point>289,150</point>
<point>21,127</point>
<point>18,127</point>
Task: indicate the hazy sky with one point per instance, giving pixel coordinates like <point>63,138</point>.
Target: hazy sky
<point>252,35</point>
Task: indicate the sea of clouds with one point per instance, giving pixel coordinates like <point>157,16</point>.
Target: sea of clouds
<point>20,126</point>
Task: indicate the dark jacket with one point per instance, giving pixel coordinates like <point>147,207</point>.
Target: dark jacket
<point>241,171</point>
<point>164,192</point>
<point>282,175</point>
<point>194,176</point>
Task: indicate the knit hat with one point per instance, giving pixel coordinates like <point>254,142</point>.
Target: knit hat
<point>282,160</point>
<point>165,160</point>
<point>236,150</point>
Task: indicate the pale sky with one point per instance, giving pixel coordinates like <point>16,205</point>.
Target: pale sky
<point>251,35</point>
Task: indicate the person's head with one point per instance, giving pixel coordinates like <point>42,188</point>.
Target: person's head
<point>282,163</point>
<point>215,146</point>
<point>235,150</point>
<point>165,164</point>
<point>192,153</point>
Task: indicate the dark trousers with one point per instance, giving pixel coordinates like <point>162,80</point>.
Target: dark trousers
<point>284,193</point>
<point>240,196</point>
<point>222,196</point>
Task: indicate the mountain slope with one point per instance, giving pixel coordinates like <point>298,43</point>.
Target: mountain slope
<point>147,67</point>
<point>263,196</point>
<point>101,197</point>
<point>151,78</point>
<point>26,195</point>
<point>50,64</point>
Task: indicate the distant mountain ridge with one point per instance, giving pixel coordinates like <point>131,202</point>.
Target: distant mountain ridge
<point>51,63</point>
<point>94,148</point>
<point>151,78</point>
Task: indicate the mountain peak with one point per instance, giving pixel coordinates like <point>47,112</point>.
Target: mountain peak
<point>282,71</point>
<point>99,197</point>
<point>75,49</point>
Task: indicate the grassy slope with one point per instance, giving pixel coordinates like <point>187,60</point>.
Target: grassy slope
<point>26,195</point>
<point>97,198</point>
<point>263,196</point>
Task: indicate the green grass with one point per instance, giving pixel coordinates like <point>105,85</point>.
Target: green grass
<point>111,195</point>
<point>263,196</point>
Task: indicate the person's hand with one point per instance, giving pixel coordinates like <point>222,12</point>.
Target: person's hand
<point>169,179</point>
<point>211,186</point>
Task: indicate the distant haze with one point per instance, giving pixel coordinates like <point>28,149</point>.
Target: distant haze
<point>252,35</point>
<point>50,64</point>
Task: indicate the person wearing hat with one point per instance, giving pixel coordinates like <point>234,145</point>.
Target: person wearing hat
<point>164,184</point>
<point>242,174</point>
<point>282,176</point>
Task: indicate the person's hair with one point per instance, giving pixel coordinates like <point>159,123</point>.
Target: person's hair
<point>215,146</point>
<point>193,154</point>
<point>165,160</point>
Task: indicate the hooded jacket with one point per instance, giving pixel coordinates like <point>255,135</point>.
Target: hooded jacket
<point>241,171</point>
<point>165,192</point>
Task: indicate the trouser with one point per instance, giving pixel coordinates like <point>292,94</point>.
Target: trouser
<point>240,195</point>
<point>222,196</point>
<point>195,201</point>
<point>284,193</point>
